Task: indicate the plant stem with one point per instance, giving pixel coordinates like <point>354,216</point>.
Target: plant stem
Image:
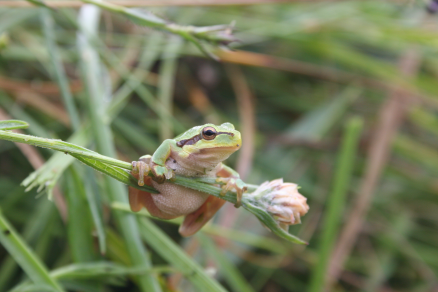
<point>110,166</point>
<point>216,34</point>
<point>59,145</point>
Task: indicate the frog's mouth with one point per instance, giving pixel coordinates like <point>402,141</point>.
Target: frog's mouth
<point>228,133</point>
<point>220,148</point>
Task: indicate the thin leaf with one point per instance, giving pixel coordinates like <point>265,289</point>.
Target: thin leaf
<point>12,125</point>
<point>60,76</point>
<point>231,273</point>
<point>173,254</point>
<point>25,257</point>
<point>92,73</point>
<point>336,203</point>
<point>215,34</point>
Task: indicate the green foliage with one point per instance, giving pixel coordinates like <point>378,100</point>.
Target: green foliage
<point>103,80</point>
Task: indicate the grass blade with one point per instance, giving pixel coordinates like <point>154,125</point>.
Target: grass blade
<point>58,68</point>
<point>91,74</point>
<point>31,233</point>
<point>79,227</point>
<point>230,272</point>
<point>217,34</point>
<point>12,125</point>
<point>93,203</point>
<point>335,206</point>
<point>25,257</point>
<point>166,85</point>
<point>172,253</point>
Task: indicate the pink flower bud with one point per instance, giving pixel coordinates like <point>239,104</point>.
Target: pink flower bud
<point>283,201</point>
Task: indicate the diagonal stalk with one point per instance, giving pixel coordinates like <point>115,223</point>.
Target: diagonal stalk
<point>112,167</point>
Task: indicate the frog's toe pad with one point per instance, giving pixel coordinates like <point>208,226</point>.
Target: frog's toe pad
<point>233,183</point>
<point>140,169</point>
<point>161,173</point>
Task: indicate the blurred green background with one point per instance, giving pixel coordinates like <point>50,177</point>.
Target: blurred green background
<point>339,97</point>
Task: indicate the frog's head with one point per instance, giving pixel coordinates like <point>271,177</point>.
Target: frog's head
<point>210,142</point>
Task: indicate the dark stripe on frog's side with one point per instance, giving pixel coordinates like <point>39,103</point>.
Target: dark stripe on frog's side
<point>196,138</point>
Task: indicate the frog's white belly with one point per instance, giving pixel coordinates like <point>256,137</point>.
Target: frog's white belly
<point>175,200</point>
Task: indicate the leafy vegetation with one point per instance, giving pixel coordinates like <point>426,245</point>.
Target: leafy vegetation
<point>338,97</point>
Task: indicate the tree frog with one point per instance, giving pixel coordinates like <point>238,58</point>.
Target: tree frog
<point>198,152</point>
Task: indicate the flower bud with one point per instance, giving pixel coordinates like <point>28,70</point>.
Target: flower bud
<point>282,201</point>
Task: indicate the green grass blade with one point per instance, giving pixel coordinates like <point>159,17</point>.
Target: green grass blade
<point>79,227</point>
<point>250,239</point>
<point>385,264</point>
<point>25,257</point>
<point>13,17</point>
<point>314,125</point>
<point>115,172</point>
<point>62,146</point>
<point>93,203</point>
<point>48,174</point>
<point>100,271</point>
<point>173,254</point>
<point>166,85</point>
<point>218,34</point>
<point>12,125</point>
<point>336,203</point>
<point>60,76</point>
<point>230,272</point>
<point>39,3</point>
<point>95,270</point>
<point>131,132</point>
<point>92,71</point>
<point>18,113</point>
<point>31,233</point>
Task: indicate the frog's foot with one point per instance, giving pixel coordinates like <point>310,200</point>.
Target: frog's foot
<point>161,173</point>
<point>231,183</point>
<point>140,168</point>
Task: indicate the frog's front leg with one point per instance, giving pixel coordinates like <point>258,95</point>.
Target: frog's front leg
<point>158,165</point>
<point>231,180</point>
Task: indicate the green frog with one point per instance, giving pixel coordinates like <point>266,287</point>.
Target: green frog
<point>198,152</point>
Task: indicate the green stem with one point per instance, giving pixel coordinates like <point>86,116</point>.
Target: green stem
<point>103,164</point>
<point>112,167</point>
<point>59,145</point>
<point>216,34</point>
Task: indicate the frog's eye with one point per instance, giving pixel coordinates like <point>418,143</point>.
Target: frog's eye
<point>209,133</point>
